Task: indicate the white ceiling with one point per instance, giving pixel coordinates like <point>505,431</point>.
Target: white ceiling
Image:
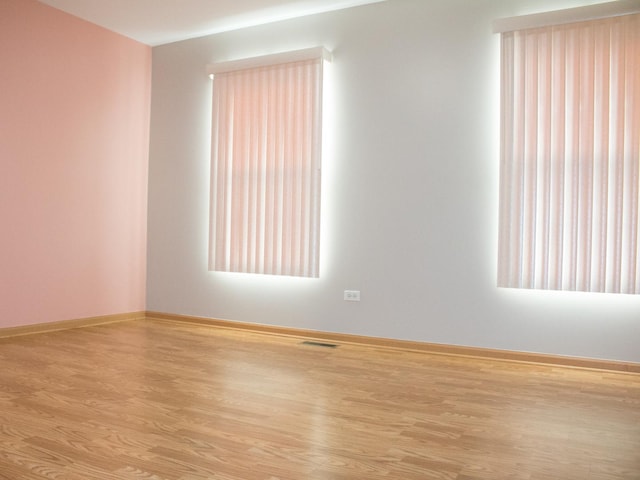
<point>156,22</point>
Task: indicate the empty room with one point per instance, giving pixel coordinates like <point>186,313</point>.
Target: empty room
<point>320,239</point>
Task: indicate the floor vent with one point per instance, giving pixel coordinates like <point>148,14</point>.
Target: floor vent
<point>319,344</point>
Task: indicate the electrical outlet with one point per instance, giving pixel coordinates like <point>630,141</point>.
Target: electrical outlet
<point>352,295</point>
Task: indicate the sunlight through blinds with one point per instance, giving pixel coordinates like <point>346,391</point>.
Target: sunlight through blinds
<point>265,175</point>
<point>570,157</point>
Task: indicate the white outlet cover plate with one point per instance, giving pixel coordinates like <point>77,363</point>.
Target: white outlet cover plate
<point>352,295</point>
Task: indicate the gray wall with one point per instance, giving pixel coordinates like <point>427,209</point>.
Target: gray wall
<point>410,184</point>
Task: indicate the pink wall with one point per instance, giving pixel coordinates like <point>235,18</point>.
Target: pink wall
<point>74,130</point>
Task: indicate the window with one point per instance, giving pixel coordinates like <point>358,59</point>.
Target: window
<point>570,155</point>
<point>265,166</point>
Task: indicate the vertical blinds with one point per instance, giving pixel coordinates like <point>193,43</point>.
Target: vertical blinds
<point>570,161</point>
<point>266,152</point>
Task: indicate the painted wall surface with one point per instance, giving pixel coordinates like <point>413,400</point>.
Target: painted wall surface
<point>74,121</point>
<point>410,183</point>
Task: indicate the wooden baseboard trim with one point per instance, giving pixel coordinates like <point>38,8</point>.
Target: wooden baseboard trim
<point>69,324</point>
<point>407,345</point>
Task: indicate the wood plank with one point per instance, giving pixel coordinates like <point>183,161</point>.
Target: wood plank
<point>433,348</point>
<point>177,401</point>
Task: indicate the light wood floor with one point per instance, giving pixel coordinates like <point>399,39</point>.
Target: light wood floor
<point>161,401</point>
